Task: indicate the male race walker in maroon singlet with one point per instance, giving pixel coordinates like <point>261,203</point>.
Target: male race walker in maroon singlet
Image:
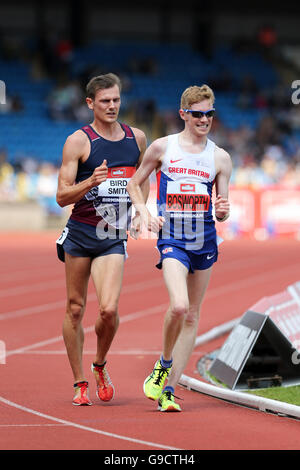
<point>98,161</point>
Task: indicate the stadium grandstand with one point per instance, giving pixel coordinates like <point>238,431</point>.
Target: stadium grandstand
<point>44,75</point>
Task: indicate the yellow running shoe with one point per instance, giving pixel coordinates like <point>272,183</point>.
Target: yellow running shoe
<point>154,383</point>
<point>166,402</point>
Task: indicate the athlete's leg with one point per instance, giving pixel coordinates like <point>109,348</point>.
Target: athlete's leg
<point>107,274</point>
<point>77,277</point>
<point>175,276</point>
<point>197,284</point>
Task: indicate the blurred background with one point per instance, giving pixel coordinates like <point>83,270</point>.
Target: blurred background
<point>250,56</point>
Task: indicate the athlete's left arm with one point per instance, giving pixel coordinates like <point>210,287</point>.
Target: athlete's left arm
<point>223,173</point>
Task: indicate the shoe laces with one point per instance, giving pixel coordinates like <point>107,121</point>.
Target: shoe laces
<point>103,376</point>
<point>170,396</point>
<point>83,386</point>
<point>161,371</point>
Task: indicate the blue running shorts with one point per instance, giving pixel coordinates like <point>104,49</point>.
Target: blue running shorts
<point>191,260</point>
<point>79,239</point>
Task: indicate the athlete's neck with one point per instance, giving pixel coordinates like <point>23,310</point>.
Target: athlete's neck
<point>108,130</point>
<point>191,141</point>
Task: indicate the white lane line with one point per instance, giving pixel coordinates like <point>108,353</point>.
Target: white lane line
<point>125,319</point>
<point>68,423</point>
<point>255,279</point>
<point>130,317</point>
<point>85,428</point>
<point>37,287</point>
<point>25,274</point>
<point>22,312</point>
<point>211,293</point>
<point>30,425</point>
<point>57,283</point>
<point>62,352</point>
<point>92,297</point>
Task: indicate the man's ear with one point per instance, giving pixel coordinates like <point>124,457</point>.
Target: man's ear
<point>182,114</point>
<point>90,103</point>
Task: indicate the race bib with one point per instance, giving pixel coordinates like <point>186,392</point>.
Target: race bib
<point>187,197</point>
<point>110,199</point>
<point>63,236</point>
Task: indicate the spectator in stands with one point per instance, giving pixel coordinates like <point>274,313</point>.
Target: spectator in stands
<point>248,92</point>
<point>46,188</point>
<point>13,104</point>
<point>64,100</point>
<point>267,38</point>
<point>7,187</point>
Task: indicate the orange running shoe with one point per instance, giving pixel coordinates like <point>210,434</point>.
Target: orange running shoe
<point>81,396</point>
<point>105,388</point>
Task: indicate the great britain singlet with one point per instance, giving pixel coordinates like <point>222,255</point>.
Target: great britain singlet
<point>184,191</point>
<point>109,201</point>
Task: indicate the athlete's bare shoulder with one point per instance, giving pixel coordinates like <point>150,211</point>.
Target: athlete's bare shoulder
<point>77,138</point>
<point>222,159</point>
<point>138,133</point>
<point>160,145</point>
<point>221,153</point>
<point>77,144</point>
<point>140,137</point>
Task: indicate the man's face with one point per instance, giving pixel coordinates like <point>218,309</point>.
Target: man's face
<point>106,105</point>
<point>198,125</point>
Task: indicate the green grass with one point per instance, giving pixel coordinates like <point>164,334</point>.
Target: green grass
<point>289,395</point>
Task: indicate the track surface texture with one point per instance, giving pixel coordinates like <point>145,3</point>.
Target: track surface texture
<point>36,386</point>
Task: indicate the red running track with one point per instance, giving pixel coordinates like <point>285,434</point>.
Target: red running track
<point>36,382</point>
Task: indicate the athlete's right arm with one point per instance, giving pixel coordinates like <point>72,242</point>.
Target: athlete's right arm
<point>76,146</point>
<point>151,161</point>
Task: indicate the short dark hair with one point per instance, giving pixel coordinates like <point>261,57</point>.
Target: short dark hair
<point>102,82</point>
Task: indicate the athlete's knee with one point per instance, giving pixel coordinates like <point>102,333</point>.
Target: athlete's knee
<point>179,310</point>
<point>108,312</point>
<point>192,316</point>
<point>75,311</point>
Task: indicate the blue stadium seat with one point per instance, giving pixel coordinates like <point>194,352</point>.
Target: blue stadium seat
<point>31,131</point>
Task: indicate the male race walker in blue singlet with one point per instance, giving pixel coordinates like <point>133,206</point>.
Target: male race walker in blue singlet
<point>98,161</point>
<point>188,165</point>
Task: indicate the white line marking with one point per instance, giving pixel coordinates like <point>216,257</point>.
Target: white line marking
<point>22,312</point>
<point>20,275</point>
<point>127,289</point>
<point>56,283</point>
<point>256,279</point>
<point>131,288</point>
<point>126,318</point>
<point>29,425</point>
<point>130,317</point>
<point>40,286</point>
<point>85,428</point>
<point>211,293</point>
<point>62,352</point>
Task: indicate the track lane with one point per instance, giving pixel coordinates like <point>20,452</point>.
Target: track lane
<point>206,423</point>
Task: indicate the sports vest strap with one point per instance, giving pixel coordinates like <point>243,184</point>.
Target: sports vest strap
<point>91,133</point>
<point>128,131</point>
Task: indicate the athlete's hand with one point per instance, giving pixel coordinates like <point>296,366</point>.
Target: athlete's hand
<point>154,224</point>
<point>135,227</point>
<point>100,174</point>
<point>222,207</point>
